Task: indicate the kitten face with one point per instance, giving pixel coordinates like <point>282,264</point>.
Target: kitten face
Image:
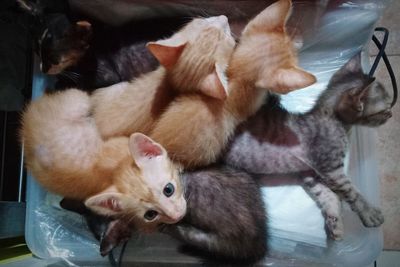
<point>146,192</point>
<point>268,49</point>
<point>196,57</point>
<point>58,43</point>
<point>161,200</point>
<point>377,105</point>
<point>368,105</point>
<point>60,51</point>
<point>362,100</point>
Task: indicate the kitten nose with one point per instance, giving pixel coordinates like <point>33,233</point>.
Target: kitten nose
<point>177,217</point>
<point>173,218</point>
<point>179,212</point>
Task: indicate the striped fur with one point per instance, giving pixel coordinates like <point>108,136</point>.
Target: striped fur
<point>275,141</point>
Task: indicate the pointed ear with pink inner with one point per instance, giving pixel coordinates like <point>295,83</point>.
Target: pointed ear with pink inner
<point>145,151</point>
<point>167,51</point>
<point>109,202</point>
<point>215,84</point>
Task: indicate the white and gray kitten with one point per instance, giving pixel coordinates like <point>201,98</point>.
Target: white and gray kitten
<point>315,143</point>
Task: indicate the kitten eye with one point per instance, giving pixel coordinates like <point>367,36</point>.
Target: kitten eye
<point>169,190</point>
<point>150,215</point>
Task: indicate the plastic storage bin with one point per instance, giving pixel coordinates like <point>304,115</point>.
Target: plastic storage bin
<point>331,33</point>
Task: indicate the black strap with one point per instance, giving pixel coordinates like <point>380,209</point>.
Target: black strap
<point>382,54</point>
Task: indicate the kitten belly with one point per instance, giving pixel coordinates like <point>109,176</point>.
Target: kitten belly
<point>249,153</point>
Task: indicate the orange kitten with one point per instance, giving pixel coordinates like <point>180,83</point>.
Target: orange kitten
<point>195,129</point>
<point>123,176</point>
<point>193,60</point>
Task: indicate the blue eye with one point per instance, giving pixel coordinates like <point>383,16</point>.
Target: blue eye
<point>169,190</point>
<point>150,215</point>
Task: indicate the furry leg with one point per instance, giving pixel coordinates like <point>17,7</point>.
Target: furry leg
<point>341,184</point>
<point>329,204</point>
<point>117,232</point>
<point>207,241</point>
<point>193,236</point>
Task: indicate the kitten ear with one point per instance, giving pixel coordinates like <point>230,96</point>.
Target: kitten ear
<point>109,202</point>
<point>145,151</point>
<point>351,66</point>
<point>83,29</point>
<point>167,52</point>
<point>84,25</point>
<point>287,80</point>
<point>215,84</point>
<point>80,32</point>
<point>273,17</point>
<point>354,64</point>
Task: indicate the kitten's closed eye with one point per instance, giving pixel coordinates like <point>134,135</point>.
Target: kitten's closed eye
<point>359,107</point>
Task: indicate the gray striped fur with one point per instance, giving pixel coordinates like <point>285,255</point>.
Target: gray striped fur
<point>276,141</point>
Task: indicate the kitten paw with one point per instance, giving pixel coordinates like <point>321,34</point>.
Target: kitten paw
<point>334,227</point>
<point>116,233</point>
<point>371,217</point>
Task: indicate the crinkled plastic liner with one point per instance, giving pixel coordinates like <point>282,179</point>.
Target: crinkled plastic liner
<point>329,33</point>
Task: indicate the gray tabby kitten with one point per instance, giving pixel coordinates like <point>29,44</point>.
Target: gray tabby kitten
<point>276,141</point>
<point>225,217</point>
<point>225,214</point>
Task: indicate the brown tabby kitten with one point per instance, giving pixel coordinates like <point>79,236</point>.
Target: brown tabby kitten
<point>276,141</point>
<point>195,129</point>
<point>192,61</point>
<point>125,177</point>
<point>226,214</point>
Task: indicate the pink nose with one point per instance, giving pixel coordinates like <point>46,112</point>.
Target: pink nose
<point>176,217</point>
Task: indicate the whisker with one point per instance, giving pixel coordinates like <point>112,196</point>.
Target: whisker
<point>130,218</point>
<point>188,196</point>
<point>72,78</point>
<point>72,73</point>
<point>69,77</point>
